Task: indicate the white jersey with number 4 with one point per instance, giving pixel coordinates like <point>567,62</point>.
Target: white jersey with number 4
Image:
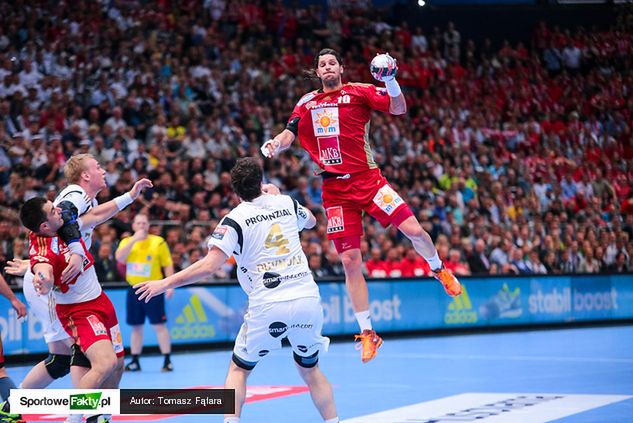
<point>263,236</point>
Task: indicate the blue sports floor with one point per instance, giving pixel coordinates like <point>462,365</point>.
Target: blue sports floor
<point>548,375</point>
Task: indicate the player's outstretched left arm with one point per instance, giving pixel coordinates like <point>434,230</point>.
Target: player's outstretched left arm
<point>384,68</point>
<point>194,273</point>
<point>105,211</point>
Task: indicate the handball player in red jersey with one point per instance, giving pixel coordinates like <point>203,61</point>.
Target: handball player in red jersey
<point>333,126</point>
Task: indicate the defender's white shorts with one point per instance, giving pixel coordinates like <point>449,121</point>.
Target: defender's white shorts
<point>264,327</point>
<point>43,307</point>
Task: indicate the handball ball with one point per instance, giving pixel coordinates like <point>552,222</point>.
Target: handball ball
<point>383,67</point>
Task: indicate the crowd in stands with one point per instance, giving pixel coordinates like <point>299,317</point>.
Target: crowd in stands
<point>516,158</point>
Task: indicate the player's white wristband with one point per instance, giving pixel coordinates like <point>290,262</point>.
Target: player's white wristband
<point>393,88</point>
<point>122,201</point>
<point>276,147</point>
<point>77,248</point>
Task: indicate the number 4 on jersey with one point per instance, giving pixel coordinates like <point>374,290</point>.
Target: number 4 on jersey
<point>275,239</point>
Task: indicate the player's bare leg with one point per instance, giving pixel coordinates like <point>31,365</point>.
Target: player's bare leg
<point>236,379</point>
<point>114,380</point>
<point>320,391</point>
<point>352,261</point>
<point>423,244</point>
<point>103,363</point>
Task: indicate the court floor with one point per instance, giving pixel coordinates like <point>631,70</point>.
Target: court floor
<point>571,375</point>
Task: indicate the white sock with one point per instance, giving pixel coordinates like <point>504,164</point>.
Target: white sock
<point>333,420</point>
<point>364,320</point>
<point>434,261</point>
<point>231,420</point>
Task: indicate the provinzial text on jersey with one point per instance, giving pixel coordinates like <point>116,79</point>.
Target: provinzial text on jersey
<point>265,217</point>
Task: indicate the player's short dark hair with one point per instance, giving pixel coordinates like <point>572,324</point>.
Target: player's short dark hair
<point>325,51</point>
<point>32,213</point>
<point>246,178</point>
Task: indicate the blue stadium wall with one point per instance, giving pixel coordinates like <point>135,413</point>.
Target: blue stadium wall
<point>213,313</point>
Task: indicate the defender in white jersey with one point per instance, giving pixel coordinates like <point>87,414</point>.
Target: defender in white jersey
<point>262,233</point>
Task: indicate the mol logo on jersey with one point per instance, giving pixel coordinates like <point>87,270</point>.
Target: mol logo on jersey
<point>325,121</point>
<point>460,310</point>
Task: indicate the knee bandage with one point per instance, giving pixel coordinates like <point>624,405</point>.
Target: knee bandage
<point>57,365</point>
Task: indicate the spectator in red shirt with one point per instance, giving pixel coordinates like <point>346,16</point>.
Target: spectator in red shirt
<point>376,267</point>
<point>414,265</point>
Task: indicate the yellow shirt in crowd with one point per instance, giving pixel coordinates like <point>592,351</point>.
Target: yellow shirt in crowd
<point>147,259</point>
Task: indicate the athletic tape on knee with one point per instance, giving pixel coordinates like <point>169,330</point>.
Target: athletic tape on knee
<point>307,362</point>
<point>243,364</point>
<point>79,358</point>
<point>57,365</point>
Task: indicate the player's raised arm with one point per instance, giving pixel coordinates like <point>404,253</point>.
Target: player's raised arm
<point>384,68</point>
<point>105,211</point>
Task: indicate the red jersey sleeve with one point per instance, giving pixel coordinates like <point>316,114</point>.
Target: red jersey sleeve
<point>377,97</point>
<point>40,251</point>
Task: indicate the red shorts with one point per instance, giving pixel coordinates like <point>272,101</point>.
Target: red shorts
<point>91,321</point>
<point>346,197</point>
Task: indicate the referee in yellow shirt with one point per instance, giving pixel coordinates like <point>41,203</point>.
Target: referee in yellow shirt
<point>146,257</point>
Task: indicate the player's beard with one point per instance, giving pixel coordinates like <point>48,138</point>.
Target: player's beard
<point>331,82</point>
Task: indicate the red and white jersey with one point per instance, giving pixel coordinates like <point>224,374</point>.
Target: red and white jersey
<point>334,126</point>
<point>54,251</point>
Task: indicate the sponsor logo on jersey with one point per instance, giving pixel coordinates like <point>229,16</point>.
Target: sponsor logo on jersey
<point>460,310</point>
<point>387,199</point>
<point>280,264</point>
<point>276,329</point>
<point>55,245</point>
<point>117,339</point>
<point>306,98</point>
<point>219,232</point>
<point>329,151</point>
<point>97,325</point>
<point>302,348</point>
<point>271,280</point>
<point>315,105</point>
<point>335,222</point>
<point>302,326</point>
<point>325,121</point>
<point>276,214</point>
